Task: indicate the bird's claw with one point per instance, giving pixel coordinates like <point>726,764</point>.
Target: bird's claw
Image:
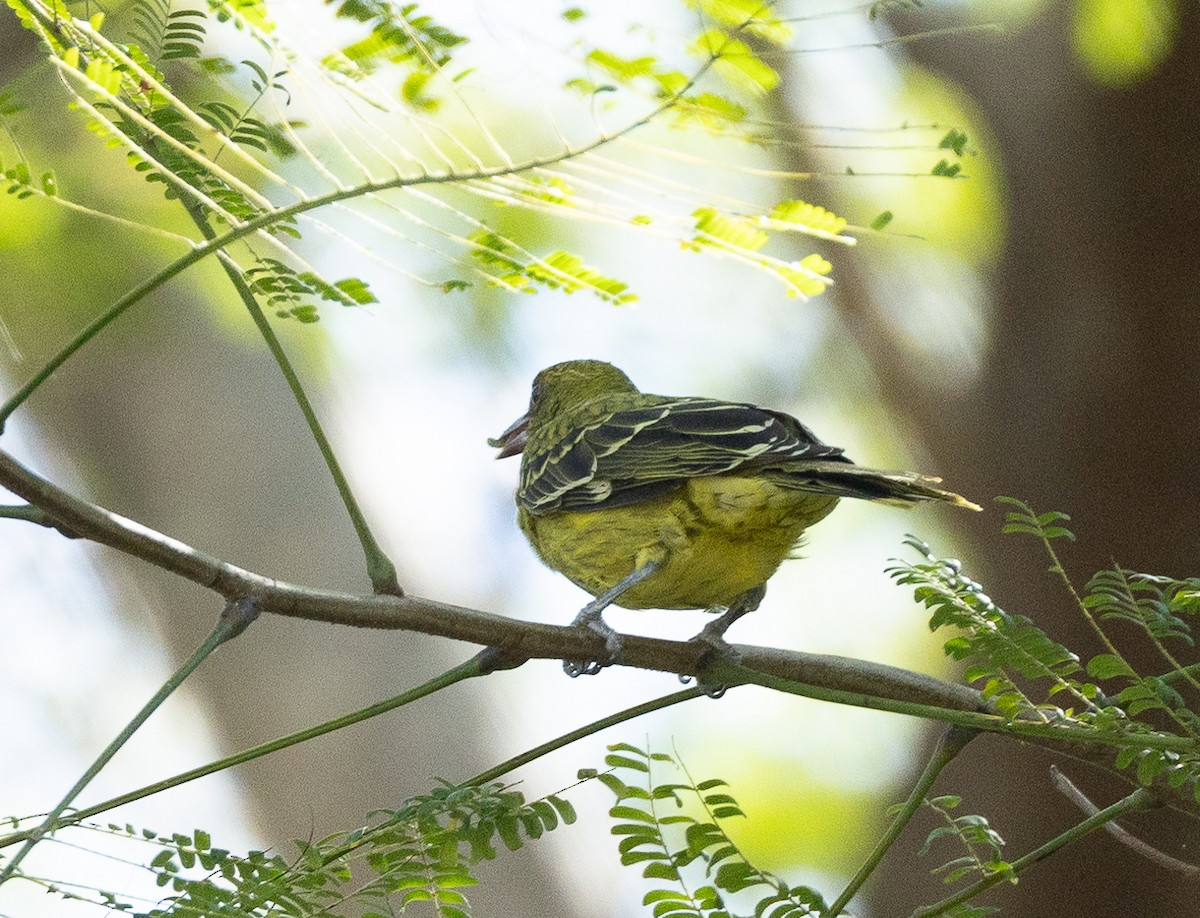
<point>712,638</point>
<point>575,670</point>
<point>714,646</point>
<point>612,645</point>
<point>712,635</point>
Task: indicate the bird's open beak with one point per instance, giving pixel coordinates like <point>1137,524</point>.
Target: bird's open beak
<point>512,441</point>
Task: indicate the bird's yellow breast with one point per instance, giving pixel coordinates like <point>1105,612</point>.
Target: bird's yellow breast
<point>716,538</point>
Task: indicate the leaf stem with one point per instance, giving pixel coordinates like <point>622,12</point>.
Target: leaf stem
<point>1064,786</point>
<point>1140,799</point>
<point>731,674</point>
<point>646,707</point>
<point>380,569</point>
<point>472,667</point>
<point>1189,672</point>
<point>951,744</point>
<point>528,756</point>
<point>237,615</point>
<point>28,513</point>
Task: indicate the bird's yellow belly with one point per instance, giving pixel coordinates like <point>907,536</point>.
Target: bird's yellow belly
<point>715,537</point>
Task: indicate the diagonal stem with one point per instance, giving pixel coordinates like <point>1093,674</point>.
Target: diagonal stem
<point>950,745</point>
<point>1140,799</point>
<point>282,215</point>
<point>536,752</point>
<point>655,704</point>
<point>380,568</point>
<point>476,666</point>
<point>32,514</point>
<point>236,617</point>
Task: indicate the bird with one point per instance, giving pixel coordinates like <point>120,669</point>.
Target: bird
<point>662,502</point>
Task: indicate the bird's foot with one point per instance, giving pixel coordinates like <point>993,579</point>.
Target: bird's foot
<point>590,618</point>
<point>712,639</point>
<point>711,689</point>
<point>713,634</point>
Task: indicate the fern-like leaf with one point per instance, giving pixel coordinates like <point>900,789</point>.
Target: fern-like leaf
<point>997,644</point>
<point>664,844</point>
<point>1045,525</point>
<point>515,269</point>
<point>184,35</point>
<point>398,35</point>
<point>164,34</point>
<point>1149,602</point>
<point>983,844</point>
<point>422,852</point>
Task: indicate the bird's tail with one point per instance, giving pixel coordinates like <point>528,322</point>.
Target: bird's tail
<point>902,489</point>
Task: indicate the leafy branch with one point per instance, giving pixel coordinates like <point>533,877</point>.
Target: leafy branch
<point>855,682</point>
<point>1001,642</point>
<point>664,841</point>
<point>982,843</point>
<point>1165,763</point>
<point>423,851</point>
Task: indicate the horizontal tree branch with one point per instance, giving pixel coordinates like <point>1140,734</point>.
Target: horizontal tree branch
<point>831,678</point>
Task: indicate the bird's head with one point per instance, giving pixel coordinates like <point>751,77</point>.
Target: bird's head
<point>556,389</point>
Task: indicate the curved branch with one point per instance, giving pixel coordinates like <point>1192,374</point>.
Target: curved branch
<point>1064,786</point>
<point>281,215</point>
<point>824,677</point>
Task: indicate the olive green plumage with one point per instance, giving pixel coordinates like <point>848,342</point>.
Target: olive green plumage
<point>716,494</point>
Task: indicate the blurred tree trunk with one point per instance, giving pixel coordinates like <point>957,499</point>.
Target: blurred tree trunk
<point>1088,401</point>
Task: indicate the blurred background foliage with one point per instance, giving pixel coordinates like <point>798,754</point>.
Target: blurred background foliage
<point>1031,330</point>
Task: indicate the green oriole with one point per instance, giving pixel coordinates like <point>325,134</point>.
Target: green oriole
<point>649,501</point>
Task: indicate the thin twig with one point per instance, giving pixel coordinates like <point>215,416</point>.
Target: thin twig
<point>1065,787</point>
<point>828,678</point>
<point>1140,799</point>
<point>235,618</point>
<point>953,742</point>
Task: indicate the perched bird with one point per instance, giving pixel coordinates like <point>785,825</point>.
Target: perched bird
<point>650,501</point>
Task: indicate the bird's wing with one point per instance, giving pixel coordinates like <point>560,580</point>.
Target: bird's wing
<point>633,454</point>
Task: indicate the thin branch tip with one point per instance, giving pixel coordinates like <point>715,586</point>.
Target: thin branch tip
<point>1067,788</point>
